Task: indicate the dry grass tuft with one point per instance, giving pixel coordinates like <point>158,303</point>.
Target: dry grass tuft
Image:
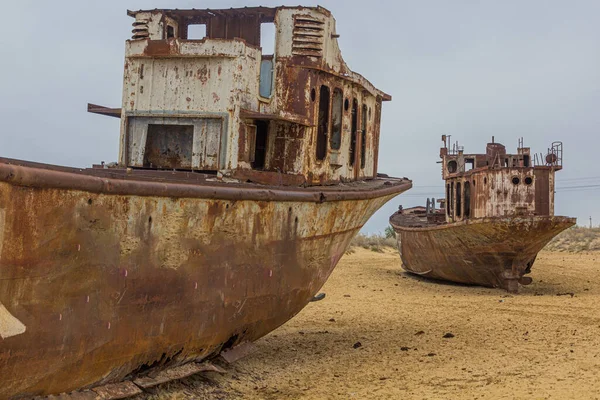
<point>375,243</point>
<point>576,240</point>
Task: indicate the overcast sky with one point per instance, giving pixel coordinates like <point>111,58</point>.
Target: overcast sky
<point>470,69</point>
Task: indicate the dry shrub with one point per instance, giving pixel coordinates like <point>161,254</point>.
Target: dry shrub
<point>576,240</point>
<point>376,243</point>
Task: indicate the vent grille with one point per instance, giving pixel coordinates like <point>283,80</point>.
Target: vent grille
<point>308,37</point>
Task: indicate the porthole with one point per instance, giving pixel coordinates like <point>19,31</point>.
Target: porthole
<point>452,166</point>
<point>313,94</point>
<point>516,180</point>
<point>528,180</point>
<point>346,105</point>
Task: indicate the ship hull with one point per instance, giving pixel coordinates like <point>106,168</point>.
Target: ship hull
<point>100,279</point>
<point>492,252</point>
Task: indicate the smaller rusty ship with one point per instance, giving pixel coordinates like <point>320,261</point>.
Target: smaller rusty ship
<point>497,215</point>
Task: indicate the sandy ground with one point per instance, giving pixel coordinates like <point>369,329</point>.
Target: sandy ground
<point>543,343</point>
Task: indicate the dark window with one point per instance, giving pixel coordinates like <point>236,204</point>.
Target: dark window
<point>452,166</point>
<point>260,149</point>
<point>196,31</point>
<point>170,32</point>
<point>467,199</point>
<point>448,200</point>
<point>516,180</point>
<point>526,160</point>
<point>528,180</point>
<point>451,202</point>
<point>169,146</point>
<point>458,199</point>
<point>363,138</point>
<point>323,122</point>
<point>336,118</point>
<point>354,132</point>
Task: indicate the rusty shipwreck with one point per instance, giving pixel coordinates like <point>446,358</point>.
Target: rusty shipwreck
<point>241,179</point>
<point>497,215</point>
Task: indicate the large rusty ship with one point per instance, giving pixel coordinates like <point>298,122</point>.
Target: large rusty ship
<point>497,215</point>
<point>241,179</point>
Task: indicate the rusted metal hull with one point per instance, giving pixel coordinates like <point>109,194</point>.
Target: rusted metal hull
<point>493,252</point>
<point>97,284</point>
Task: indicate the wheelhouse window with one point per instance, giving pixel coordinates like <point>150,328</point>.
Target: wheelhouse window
<point>458,199</point>
<point>467,206</point>
<point>196,31</point>
<point>363,138</point>
<point>323,122</point>
<point>354,132</point>
<point>337,110</point>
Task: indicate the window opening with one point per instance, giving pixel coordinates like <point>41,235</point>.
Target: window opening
<point>451,202</point>
<point>516,180</point>
<point>354,132</point>
<point>526,160</point>
<point>467,199</point>
<point>452,166</point>
<point>528,180</point>
<point>265,86</point>
<point>336,119</point>
<point>458,199</point>
<point>169,146</point>
<point>469,164</point>
<point>267,37</point>
<point>363,137</point>
<point>170,32</point>
<point>260,149</point>
<point>196,31</point>
<point>323,122</point>
<point>448,199</point>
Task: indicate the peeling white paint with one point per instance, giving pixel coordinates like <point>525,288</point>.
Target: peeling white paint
<point>9,325</point>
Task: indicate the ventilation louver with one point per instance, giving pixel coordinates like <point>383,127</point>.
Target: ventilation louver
<point>308,37</point>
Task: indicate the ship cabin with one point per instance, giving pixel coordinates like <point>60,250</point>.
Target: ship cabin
<point>257,94</point>
<point>498,184</point>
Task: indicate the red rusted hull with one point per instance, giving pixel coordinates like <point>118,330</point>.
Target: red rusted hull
<point>97,284</point>
<point>494,252</point>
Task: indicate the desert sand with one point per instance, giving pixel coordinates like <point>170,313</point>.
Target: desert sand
<point>382,333</point>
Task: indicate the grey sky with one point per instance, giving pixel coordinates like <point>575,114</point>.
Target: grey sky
<point>470,69</point>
